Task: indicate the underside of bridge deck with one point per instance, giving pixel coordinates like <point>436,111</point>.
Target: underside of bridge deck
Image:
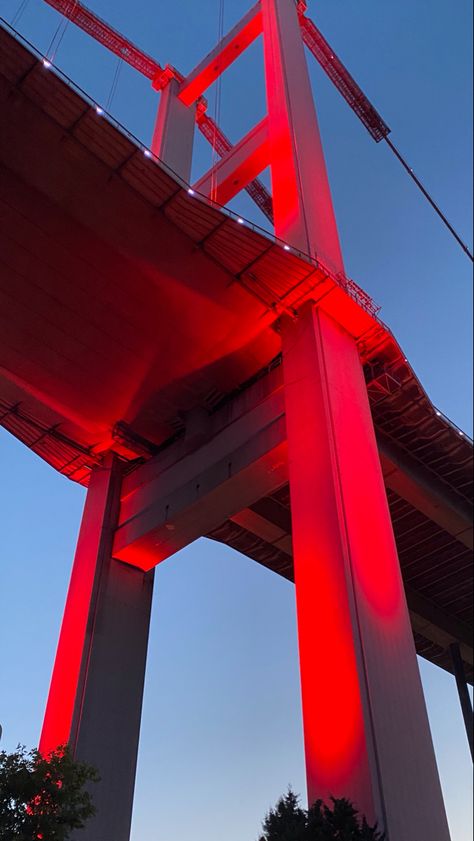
<point>92,360</point>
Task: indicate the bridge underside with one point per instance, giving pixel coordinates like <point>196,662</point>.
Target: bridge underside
<point>190,370</point>
<point>92,359</point>
<point>257,530</point>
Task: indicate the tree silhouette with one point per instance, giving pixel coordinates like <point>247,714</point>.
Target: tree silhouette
<point>286,822</point>
<point>338,822</point>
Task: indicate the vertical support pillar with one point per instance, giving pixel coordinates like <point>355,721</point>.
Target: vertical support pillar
<point>463,692</point>
<point>173,136</point>
<point>96,691</point>
<point>303,210</point>
<point>366,729</point>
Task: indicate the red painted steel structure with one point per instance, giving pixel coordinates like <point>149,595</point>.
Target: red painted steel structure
<point>352,616</point>
<point>366,729</point>
<point>232,46</point>
<point>205,74</point>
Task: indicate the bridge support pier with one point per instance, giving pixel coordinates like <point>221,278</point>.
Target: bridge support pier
<point>173,135</point>
<point>95,698</point>
<point>463,692</point>
<point>367,734</point>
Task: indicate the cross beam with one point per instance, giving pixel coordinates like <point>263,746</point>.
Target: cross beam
<point>222,56</point>
<point>238,167</point>
<point>248,433</point>
<point>179,496</point>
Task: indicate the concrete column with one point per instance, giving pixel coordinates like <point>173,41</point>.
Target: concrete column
<point>463,692</point>
<point>173,136</point>
<point>303,210</point>
<point>367,735</point>
<point>95,698</point>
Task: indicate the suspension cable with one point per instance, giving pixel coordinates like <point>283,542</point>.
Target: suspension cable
<point>19,12</point>
<point>217,106</point>
<point>114,84</point>
<point>58,36</point>
<point>427,196</point>
<point>360,104</point>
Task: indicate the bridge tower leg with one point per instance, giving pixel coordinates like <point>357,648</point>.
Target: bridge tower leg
<point>302,205</point>
<point>367,734</point>
<point>366,730</point>
<point>95,697</point>
<point>173,135</point>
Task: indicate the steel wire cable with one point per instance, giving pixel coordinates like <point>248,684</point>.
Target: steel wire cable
<point>56,40</point>
<point>114,84</point>
<point>429,198</point>
<point>217,106</point>
<point>19,12</point>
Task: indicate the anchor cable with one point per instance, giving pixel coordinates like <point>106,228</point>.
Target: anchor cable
<point>427,196</point>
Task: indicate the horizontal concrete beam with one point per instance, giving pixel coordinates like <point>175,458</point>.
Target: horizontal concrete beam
<point>261,527</point>
<point>426,617</point>
<point>437,626</point>
<point>179,496</point>
<point>415,484</point>
<point>240,434</point>
<point>231,47</point>
<point>241,165</point>
<point>229,461</point>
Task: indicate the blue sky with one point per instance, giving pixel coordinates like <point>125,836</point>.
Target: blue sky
<point>221,735</point>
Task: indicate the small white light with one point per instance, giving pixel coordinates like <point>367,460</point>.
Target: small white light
<point>191,191</point>
<point>438,413</point>
<point>286,248</point>
<point>240,220</point>
<point>99,110</point>
<point>46,63</point>
<point>147,153</point>
<point>461,433</point>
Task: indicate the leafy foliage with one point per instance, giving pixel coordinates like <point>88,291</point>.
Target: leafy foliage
<point>339,822</point>
<point>43,798</point>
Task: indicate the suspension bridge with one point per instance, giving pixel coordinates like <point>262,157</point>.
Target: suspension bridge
<point>204,378</point>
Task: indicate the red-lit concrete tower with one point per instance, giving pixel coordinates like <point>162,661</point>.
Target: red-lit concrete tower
<point>365,724</point>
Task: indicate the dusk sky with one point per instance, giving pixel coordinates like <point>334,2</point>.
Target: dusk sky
<point>221,733</point>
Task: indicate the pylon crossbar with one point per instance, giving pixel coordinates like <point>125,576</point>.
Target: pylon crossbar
<point>238,167</point>
<point>222,56</point>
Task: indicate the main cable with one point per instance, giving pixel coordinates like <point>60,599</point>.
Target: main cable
<point>427,196</point>
<point>360,104</point>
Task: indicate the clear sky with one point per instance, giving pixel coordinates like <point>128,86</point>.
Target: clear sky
<point>221,734</point>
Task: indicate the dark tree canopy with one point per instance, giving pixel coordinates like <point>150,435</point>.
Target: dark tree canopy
<point>43,799</point>
<point>338,822</point>
<point>286,822</point>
